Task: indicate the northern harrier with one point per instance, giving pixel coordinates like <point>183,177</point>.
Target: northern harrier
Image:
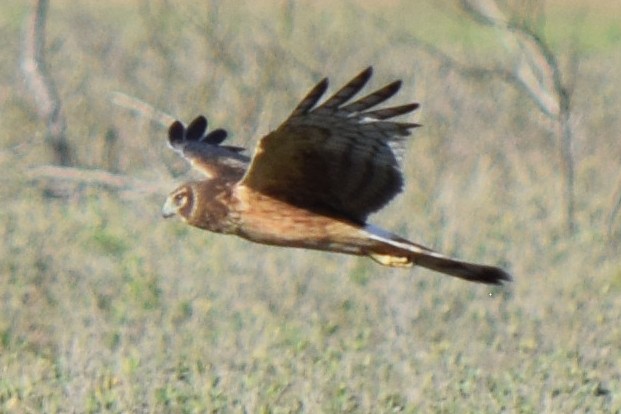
<point>312,182</point>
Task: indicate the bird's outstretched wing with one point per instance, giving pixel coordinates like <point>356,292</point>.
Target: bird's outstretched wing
<point>204,152</point>
<point>339,157</point>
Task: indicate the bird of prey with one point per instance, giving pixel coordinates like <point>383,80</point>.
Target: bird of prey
<point>312,182</point>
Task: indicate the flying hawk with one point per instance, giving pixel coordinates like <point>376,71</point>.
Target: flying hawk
<point>312,182</point>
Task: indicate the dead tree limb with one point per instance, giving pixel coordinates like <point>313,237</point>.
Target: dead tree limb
<point>538,74</point>
<point>142,108</point>
<point>42,85</point>
<point>57,176</point>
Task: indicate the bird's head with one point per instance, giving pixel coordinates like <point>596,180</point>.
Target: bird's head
<point>180,202</point>
<point>201,204</point>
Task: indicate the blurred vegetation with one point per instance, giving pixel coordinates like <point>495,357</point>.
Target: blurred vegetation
<point>105,307</point>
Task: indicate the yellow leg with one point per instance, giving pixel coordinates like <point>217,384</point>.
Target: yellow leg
<point>392,261</point>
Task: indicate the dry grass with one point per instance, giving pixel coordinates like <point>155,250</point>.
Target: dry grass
<point>104,307</point>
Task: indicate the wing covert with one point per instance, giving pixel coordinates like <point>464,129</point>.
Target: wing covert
<point>204,152</point>
<point>338,157</point>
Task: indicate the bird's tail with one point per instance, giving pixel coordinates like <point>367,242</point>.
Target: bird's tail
<point>392,250</point>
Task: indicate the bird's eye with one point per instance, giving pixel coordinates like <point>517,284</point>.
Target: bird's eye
<point>180,199</point>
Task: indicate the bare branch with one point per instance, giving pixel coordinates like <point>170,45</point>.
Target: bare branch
<point>42,85</point>
<point>538,74</point>
<point>141,107</point>
<point>485,12</point>
<point>93,177</point>
<point>537,71</point>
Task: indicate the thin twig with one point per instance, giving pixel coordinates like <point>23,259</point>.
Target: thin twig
<point>96,177</point>
<point>41,83</point>
<point>142,108</point>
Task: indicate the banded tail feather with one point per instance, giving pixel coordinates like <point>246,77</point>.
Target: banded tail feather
<point>392,250</point>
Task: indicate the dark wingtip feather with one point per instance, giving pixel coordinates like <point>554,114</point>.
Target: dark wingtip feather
<point>196,129</point>
<point>373,99</point>
<point>176,133</point>
<point>367,73</point>
<point>311,98</point>
<point>350,89</point>
<point>393,87</point>
<point>392,112</point>
<point>215,137</point>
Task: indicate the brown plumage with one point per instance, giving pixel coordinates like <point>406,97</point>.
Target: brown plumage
<point>312,182</point>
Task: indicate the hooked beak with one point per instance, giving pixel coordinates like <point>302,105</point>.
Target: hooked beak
<point>169,209</point>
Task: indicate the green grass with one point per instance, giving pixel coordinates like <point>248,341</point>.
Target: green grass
<point>106,307</point>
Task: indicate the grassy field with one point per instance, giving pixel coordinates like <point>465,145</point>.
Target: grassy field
<point>106,307</point>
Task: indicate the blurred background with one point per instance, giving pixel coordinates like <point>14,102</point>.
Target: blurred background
<point>106,307</point>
